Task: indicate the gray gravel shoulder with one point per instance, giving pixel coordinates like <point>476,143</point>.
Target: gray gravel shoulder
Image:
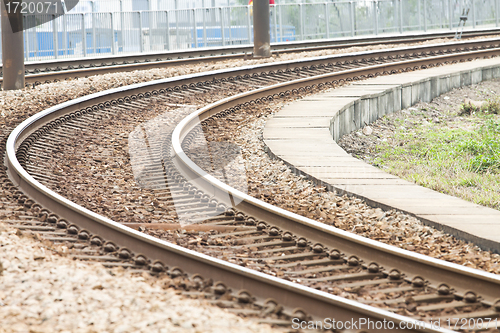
<point>42,291</point>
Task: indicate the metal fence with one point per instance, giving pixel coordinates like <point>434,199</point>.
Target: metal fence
<point>110,33</point>
<point>85,6</point>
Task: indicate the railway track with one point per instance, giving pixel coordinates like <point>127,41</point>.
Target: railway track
<point>264,250</point>
<point>64,69</point>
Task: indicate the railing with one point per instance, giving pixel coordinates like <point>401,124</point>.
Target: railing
<point>111,33</point>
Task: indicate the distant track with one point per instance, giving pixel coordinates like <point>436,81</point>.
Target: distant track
<point>61,69</point>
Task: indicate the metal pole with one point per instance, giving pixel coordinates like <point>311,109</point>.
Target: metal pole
<point>249,25</point>
<point>352,18</point>
<point>281,22</point>
<point>26,41</point>
<point>261,29</point>
<point>65,35</point>
<point>401,16</point>
<point>141,46</point>
<point>93,27</point>
<point>195,30</point>
<point>84,36</point>
<point>54,37</point>
<point>113,47</point>
<point>375,17</point>
<point>473,14</point>
<point>301,12</point>
<point>122,26</point>
<point>327,20</point>
<point>168,30</point>
<point>275,22</point>
<point>450,10</point>
<point>496,13</point>
<point>425,15</point>
<point>205,27</point>
<point>176,26</point>
<point>222,33</point>
<point>419,16</point>
<point>12,49</point>
<point>229,25</point>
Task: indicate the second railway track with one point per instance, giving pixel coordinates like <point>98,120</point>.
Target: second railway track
<point>252,233</point>
<point>64,69</point>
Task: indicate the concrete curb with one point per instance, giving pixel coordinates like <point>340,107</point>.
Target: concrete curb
<point>301,136</point>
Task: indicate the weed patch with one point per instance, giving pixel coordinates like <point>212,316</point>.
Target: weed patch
<point>448,157</point>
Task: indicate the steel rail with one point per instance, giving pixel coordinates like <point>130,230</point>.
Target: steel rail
<point>318,303</point>
<point>437,272</point>
<point>62,69</point>
<point>356,56</point>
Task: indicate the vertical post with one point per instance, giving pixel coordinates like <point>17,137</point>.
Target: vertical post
<point>401,16</point>
<point>205,27</point>
<point>84,36</point>
<point>26,41</point>
<point>222,34</point>
<point>352,17</point>
<point>229,24</point>
<point>473,5</point>
<point>450,11</point>
<point>176,26</point>
<point>425,15</point>
<point>35,41</point>
<point>281,22</point>
<point>122,25</point>
<point>54,37</point>
<point>419,13</point>
<point>93,27</point>
<point>112,21</point>
<point>168,30</point>
<point>275,22</point>
<point>195,30</point>
<point>230,33</point>
<point>150,24</point>
<point>496,12</point>
<point>249,25</point>
<point>141,46</point>
<point>261,29</point>
<point>327,20</point>
<point>65,34</point>
<point>375,17</point>
<point>301,12</point>
<point>12,49</point>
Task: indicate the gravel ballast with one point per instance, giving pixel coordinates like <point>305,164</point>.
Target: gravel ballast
<point>43,291</point>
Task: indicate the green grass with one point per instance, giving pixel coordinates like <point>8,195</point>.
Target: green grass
<point>460,158</point>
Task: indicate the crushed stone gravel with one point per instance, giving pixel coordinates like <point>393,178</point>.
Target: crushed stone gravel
<point>42,291</point>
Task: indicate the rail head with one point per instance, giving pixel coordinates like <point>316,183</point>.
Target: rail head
<point>437,269</point>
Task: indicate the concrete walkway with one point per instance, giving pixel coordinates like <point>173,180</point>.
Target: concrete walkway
<point>303,135</point>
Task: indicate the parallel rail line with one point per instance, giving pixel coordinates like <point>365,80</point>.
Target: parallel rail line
<point>63,69</point>
<point>266,236</point>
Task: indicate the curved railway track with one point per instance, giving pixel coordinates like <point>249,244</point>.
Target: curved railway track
<point>64,69</point>
<point>260,251</point>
